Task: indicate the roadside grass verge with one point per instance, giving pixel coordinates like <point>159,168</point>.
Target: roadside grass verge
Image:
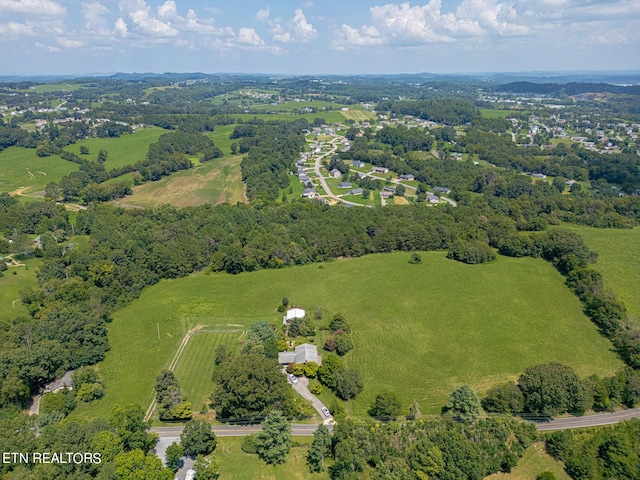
<point>237,465</point>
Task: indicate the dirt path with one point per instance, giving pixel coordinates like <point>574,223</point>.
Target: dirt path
<point>174,362</point>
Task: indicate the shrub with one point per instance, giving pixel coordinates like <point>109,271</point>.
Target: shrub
<point>415,259</point>
<point>471,252</point>
<point>315,387</point>
<point>249,444</point>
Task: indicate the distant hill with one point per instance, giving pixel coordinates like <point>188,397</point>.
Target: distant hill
<point>573,88</point>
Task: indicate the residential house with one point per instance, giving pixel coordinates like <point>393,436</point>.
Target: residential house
<point>344,185</point>
<point>444,190</point>
<point>433,199</point>
<point>408,176</point>
<point>380,170</point>
<point>309,193</point>
<point>357,164</point>
<point>303,353</point>
<point>355,191</point>
<point>335,173</point>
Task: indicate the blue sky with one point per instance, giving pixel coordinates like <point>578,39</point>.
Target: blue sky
<point>317,36</point>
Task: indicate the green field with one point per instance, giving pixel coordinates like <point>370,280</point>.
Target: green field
<point>57,87</point>
<point>220,137</point>
<point>216,181</point>
<point>195,367</point>
<point>23,172</point>
<point>333,116</point>
<point>358,115</point>
<point>490,113</point>
<point>125,150</point>
<point>534,461</point>
<point>237,465</point>
<point>10,284</point>
<point>421,330</point>
<point>619,261</point>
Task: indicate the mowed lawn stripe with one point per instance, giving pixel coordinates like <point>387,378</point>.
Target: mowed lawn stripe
<point>195,368</point>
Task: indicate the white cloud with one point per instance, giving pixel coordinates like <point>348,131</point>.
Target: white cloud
<point>35,8</point>
<point>144,22</point>
<point>13,29</point>
<point>121,27</point>
<point>47,48</point>
<point>168,10</point>
<point>299,29</point>
<point>492,16</point>
<point>69,43</point>
<point>263,15</point>
<point>248,36</point>
<point>93,13</point>
<point>358,37</point>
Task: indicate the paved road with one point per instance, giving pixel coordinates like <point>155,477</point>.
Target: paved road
<point>317,169</point>
<point>589,420</point>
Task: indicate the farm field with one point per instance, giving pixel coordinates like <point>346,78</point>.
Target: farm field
<point>23,172</point>
<point>216,181</point>
<point>10,304</point>
<point>332,116</point>
<point>195,367</point>
<point>490,113</point>
<point>618,261</point>
<point>421,330</point>
<point>358,115</point>
<point>124,150</point>
<point>237,465</point>
<point>534,461</point>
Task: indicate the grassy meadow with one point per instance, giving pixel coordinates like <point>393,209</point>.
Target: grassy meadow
<point>618,261</point>
<point>13,279</point>
<point>534,461</point>
<point>421,330</point>
<point>23,172</point>
<point>237,465</point>
<point>124,150</point>
<point>216,181</point>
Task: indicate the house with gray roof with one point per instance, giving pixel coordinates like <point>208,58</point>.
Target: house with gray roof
<point>344,185</point>
<point>303,353</point>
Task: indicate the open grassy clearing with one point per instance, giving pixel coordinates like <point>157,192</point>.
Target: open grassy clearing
<point>10,284</point>
<point>358,115</point>
<point>220,137</point>
<point>195,368</point>
<point>490,113</point>
<point>124,150</point>
<point>23,172</point>
<point>421,330</point>
<point>216,181</point>
<point>618,261</point>
<point>291,106</point>
<point>57,87</point>
<point>534,461</point>
<point>333,116</point>
<point>237,465</point>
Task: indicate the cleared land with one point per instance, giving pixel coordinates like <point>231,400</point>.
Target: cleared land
<point>10,284</point>
<point>618,261</point>
<point>124,150</point>
<point>421,330</point>
<point>237,465</point>
<point>23,172</point>
<point>489,113</point>
<point>195,367</point>
<point>216,181</point>
<point>535,461</point>
<point>358,115</point>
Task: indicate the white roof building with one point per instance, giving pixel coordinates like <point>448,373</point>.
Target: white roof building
<point>295,313</point>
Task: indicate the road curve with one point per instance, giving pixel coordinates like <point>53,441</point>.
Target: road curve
<point>589,420</point>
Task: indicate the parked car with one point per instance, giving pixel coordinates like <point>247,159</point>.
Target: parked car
<point>293,378</point>
<point>325,410</point>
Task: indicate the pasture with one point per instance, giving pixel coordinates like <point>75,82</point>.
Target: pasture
<point>421,330</point>
<point>216,181</point>
<point>358,115</point>
<point>490,113</point>
<point>618,261</point>
<point>14,279</point>
<point>22,172</point>
<point>124,150</point>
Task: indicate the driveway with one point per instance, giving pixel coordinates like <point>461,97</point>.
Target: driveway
<point>302,387</point>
